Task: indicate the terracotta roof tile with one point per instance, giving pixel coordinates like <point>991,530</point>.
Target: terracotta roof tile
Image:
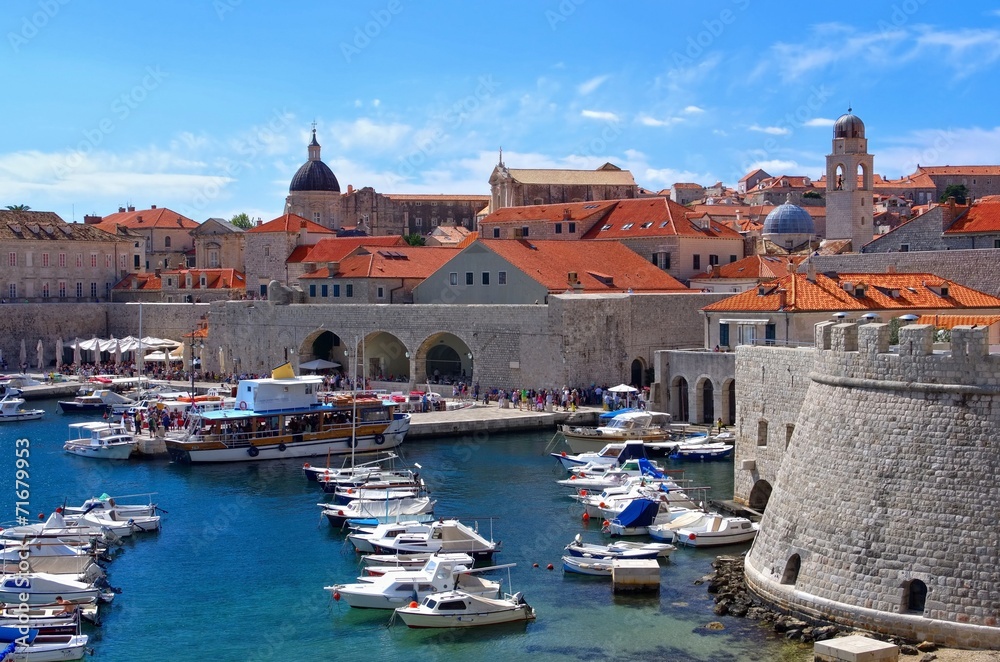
<point>405,261</point>
<point>47,226</point>
<point>757,267</point>
<point>951,321</point>
<point>983,216</point>
<point>654,217</point>
<point>576,211</point>
<point>334,249</point>
<point>215,279</point>
<point>599,177</point>
<point>290,223</point>
<point>159,218</point>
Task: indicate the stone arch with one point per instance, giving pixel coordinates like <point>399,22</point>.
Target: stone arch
<point>862,174</point>
<point>839,172</point>
<point>704,401</point>
<point>679,408</point>
<point>760,494</point>
<point>445,355</point>
<point>914,596</point>
<point>323,344</point>
<point>792,567</point>
<point>638,370</point>
<point>386,357</point>
<point>728,413</point>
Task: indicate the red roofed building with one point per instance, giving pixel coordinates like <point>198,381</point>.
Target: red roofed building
<point>786,310</point>
<point>525,271</point>
<point>269,246</point>
<point>744,274</point>
<point>168,241</point>
<point>775,191</point>
<point>567,222</point>
<point>373,274</point>
<point>181,285</point>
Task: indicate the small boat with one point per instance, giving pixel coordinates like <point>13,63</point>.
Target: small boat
<point>440,572</point>
<point>399,509</point>
<point>457,609</point>
<point>619,550</point>
<point>42,588</point>
<point>363,470</point>
<point>10,614</point>
<point>112,504</point>
<point>645,426</point>
<point>374,492</point>
<point>634,519</point>
<point>109,519</point>
<point>441,536</point>
<point>31,646</point>
<point>379,564</point>
<point>106,441</point>
<point>12,409</point>
<point>665,531</point>
<point>56,527</point>
<point>83,404</point>
<point>611,455</point>
<point>363,539</point>
<point>714,530</point>
<point>587,566</point>
<point>46,555</point>
<point>709,451</point>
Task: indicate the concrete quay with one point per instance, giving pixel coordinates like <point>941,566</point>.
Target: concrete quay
<point>492,419</point>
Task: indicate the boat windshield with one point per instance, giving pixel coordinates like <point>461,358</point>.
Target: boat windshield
<point>452,605</point>
<point>430,603</point>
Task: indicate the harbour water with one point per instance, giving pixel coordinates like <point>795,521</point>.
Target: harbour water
<point>238,569</point>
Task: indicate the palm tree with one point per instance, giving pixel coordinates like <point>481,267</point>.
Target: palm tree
<point>18,208</point>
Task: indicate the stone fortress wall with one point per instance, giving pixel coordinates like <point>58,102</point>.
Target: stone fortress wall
<point>884,506</point>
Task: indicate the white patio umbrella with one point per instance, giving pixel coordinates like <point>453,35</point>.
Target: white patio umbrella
<point>76,352</point>
<point>623,388</point>
<point>59,352</point>
<point>118,353</point>
<point>24,353</point>
<point>40,349</point>
<point>222,360</point>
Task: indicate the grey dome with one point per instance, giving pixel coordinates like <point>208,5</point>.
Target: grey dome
<point>314,176</point>
<point>789,219</point>
<point>849,126</point>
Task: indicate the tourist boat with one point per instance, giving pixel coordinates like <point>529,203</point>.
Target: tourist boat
<point>457,609</point>
<point>42,588</point>
<point>282,417</point>
<point>713,530</point>
<point>12,408</point>
<point>29,645</point>
<point>83,404</point>
<point>379,564</point>
<point>644,426</point>
<point>619,550</point>
<point>363,539</point>
<point>708,451</point>
<point>105,441</point>
<point>390,590</point>
<point>588,566</point>
<point>441,537</point>
<point>400,509</point>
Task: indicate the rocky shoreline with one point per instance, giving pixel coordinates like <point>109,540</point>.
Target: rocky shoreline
<point>732,598</point>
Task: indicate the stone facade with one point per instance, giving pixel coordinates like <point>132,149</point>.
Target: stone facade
<point>884,473</point>
<point>218,244</point>
<point>695,385</point>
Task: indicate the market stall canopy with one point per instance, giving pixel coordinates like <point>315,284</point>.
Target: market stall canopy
<point>318,364</point>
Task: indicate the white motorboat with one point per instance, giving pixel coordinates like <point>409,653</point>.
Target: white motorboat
<point>362,539</point>
<point>375,492</point>
<point>107,441</point>
<point>611,455</point>
<point>105,503</point>
<point>636,518</point>
<point>665,531</point>
<point>707,451</point>
<point>644,426</point>
<point>12,408</point>
<point>31,646</point>
<point>457,609</point>
<point>441,572</point>
<point>619,550</point>
<point>101,519</point>
<point>47,555</point>
<point>87,611</point>
<point>442,536</point>
<point>588,566</point>
<point>42,588</point>
<point>400,509</point>
<point>56,527</point>
<point>713,530</point>
<point>362,471</point>
<point>379,564</point>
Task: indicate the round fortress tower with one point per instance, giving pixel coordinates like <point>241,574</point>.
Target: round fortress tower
<point>884,512</point>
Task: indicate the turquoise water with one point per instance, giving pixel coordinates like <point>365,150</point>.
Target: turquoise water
<point>237,572</point>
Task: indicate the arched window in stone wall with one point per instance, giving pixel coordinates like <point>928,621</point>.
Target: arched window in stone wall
<point>760,494</point>
<point>762,432</point>
<point>915,596</point>
<point>791,573</point>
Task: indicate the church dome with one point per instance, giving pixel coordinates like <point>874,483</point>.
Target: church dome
<point>789,219</point>
<point>314,176</point>
<point>849,126</point>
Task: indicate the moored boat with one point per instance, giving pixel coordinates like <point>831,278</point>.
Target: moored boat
<point>42,588</point>
<point>12,408</point>
<point>282,417</point>
<point>29,645</point>
<point>588,566</point>
<point>401,509</point>
<point>454,609</point>
<point>714,530</point>
<point>645,426</point>
<point>96,439</point>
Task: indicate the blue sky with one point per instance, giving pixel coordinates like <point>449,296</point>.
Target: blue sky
<point>205,106</point>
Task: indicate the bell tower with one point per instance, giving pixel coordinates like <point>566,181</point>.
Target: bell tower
<point>849,184</point>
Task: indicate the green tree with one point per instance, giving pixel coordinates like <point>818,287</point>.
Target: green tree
<point>18,208</point>
<point>958,190</point>
<point>242,220</point>
<point>415,239</point>
<point>812,194</point>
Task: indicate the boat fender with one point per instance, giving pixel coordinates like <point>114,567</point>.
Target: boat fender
<point>282,447</point>
<point>253,451</point>
<point>243,405</point>
<point>353,441</point>
<point>692,536</point>
<point>379,439</point>
<point>413,604</point>
<point>605,523</point>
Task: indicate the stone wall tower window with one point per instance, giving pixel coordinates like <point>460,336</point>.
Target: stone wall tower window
<point>762,433</point>
<point>915,596</point>
<point>791,573</point>
<point>789,431</point>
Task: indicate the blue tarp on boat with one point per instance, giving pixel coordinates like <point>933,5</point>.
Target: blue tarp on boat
<point>641,512</point>
<point>646,468</point>
<point>633,450</point>
<point>608,415</point>
<point>9,635</point>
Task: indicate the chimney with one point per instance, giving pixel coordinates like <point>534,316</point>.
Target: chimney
<point>156,272</point>
<point>152,206</point>
<point>350,189</point>
<point>138,219</point>
<point>571,278</point>
<point>577,287</point>
<point>891,269</point>
<point>121,210</point>
<point>260,221</point>
<point>135,283</point>
<point>948,213</point>
<point>782,298</point>
<point>811,272</point>
<point>739,216</point>
<point>566,214</point>
<point>131,208</point>
<point>91,220</point>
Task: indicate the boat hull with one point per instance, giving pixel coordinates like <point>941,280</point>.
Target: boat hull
<point>28,415</point>
<point>416,619</point>
<point>110,452</point>
<point>583,566</point>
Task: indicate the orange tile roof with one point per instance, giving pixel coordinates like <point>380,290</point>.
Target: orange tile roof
<point>147,282</point>
<point>750,174</point>
<point>577,211</point>
<point>983,216</point>
<point>721,212</point>
<point>470,239</point>
<point>655,217</point>
<point>951,321</point>
<point>334,249</point>
<point>550,261</point>
<point>214,278</point>
<point>688,185</point>
<point>757,267</point>
<point>290,223</point>
<point>159,218</point>
<point>828,295</point>
<point>382,262</point>
<point>785,181</point>
<point>960,170</point>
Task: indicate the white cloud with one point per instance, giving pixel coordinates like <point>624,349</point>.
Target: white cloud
<point>599,115</point>
<point>966,146</point>
<point>365,133</point>
<point>776,166</point>
<point>820,121</point>
<point>771,130</point>
<point>589,86</point>
<point>376,102</point>
<point>652,121</point>
<point>693,110</point>
<point>719,132</point>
